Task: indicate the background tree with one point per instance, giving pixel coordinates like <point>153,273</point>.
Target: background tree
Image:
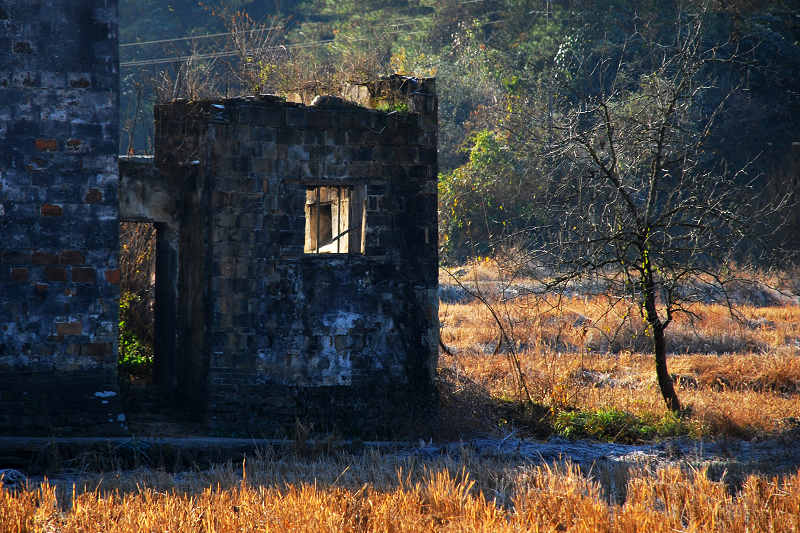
<point>634,200</point>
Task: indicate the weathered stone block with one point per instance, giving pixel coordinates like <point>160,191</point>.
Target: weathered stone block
<point>69,328</point>
<point>93,196</point>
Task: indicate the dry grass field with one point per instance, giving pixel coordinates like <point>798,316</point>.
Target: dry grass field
<point>372,494</point>
<point>588,371</point>
<point>738,375</point>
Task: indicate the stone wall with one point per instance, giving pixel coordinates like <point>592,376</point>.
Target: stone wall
<point>58,216</point>
<point>269,332</point>
<point>296,253</point>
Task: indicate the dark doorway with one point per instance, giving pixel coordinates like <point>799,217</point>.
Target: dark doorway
<point>148,376</point>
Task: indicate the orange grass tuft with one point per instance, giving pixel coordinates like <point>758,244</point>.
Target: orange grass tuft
<point>544,498</point>
<point>739,375</point>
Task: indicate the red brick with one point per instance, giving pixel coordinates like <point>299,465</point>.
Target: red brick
<point>55,273</point>
<point>72,257</point>
<point>81,83</point>
<point>84,275</point>
<point>46,145</point>
<point>97,349</point>
<point>69,328</point>
<point>112,276</point>
<point>44,258</point>
<point>49,210</point>
<point>94,196</point>
<point>19,274</point>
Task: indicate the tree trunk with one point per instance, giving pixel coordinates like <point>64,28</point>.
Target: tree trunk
<point>664,379</point>
<point>660,350</point>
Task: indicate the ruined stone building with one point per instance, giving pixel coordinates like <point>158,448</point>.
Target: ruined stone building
<point>296,249</point>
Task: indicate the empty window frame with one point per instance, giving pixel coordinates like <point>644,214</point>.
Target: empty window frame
<point>335,220</point>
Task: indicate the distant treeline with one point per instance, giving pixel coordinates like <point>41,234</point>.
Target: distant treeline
<point>494,60</point>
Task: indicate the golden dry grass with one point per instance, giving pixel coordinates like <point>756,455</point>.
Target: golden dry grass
<point>740,376</point>
<point>535,498</point>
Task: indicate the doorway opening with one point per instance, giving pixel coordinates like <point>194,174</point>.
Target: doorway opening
<point>137,302</point>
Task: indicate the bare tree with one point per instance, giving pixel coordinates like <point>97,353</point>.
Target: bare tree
<point>633,201</point>
<point>193,78</point>
<point>259,55</point>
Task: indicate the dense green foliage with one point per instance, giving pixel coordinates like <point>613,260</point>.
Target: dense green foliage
<point>495,60</point>
<point>135,346</point>
<point>618,426</point>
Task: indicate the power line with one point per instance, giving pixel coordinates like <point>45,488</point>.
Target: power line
<point>228,33</point>
<point>215,55</point>
<point>232,53</point>
<point>224,34</point>
<point>193,37</point>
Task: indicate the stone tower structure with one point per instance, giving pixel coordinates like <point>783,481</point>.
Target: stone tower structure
<point>59,297</point>
<point>296,245</point>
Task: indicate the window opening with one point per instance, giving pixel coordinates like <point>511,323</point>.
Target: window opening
<point>335,220</point>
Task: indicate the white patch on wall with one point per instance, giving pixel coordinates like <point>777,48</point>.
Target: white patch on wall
<point>54,114</point>
<point>339,369</point>
<point>341,323</point>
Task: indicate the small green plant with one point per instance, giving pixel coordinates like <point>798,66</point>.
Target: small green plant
<point>613,425</point>
<point>135,356</point>
<point>388,106</point>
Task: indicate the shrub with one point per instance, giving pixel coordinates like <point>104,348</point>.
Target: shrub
<point>135,353</point>
<point>617,426</point>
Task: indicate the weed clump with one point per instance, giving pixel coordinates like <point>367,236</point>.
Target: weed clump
<point>613,425</point>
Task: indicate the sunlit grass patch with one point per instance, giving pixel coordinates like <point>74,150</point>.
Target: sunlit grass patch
<point>440,497</point>
<point>737,373</point>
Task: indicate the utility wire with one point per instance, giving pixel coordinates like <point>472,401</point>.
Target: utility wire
<point>214,55</point>
<point>231,53</point>
<point>194,37</point>
<point>228,33</point>
<point>224,34</point>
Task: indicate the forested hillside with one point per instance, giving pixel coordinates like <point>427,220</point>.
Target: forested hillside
<point>507,71</point>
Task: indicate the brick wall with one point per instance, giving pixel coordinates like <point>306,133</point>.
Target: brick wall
<point>254,332</point>
<point>271,333</point>
<point>58,216</point>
